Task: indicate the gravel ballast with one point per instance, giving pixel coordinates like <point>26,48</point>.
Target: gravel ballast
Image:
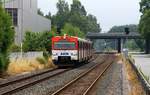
<point>113,82</point>
<point>51,85</point>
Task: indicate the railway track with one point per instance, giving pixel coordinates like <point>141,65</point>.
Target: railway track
<point>83,83</point>
<point>12,86</point>
<point>8,87</point>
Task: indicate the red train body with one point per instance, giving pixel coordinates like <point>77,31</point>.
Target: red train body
<point>70,50</point>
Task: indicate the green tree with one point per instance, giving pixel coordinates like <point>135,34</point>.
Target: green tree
<point>6,38</point>
<point>121,29</point>
<point>40,12</point>
<point>33,41</point>
<point>79,21</point>
<point>72,31</point>
<point>144,5</point>
<point>76,15</point>
<point>78,8</point>
<point>144,24</point>
<point>145,20</point>
<point>62,14</point>
<point>48,16</point>
<point>38,41</point>
<point>93,25</point>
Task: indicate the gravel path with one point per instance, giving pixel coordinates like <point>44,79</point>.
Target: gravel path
<point>54,83</point>
<point>113,82</point>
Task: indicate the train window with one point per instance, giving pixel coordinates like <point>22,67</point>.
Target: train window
<point>64,45</point>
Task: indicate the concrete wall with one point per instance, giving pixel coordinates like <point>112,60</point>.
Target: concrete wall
<point>27,55</point>
<point>28,19</point>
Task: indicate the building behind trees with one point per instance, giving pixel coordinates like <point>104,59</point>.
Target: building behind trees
<point>25,18</point>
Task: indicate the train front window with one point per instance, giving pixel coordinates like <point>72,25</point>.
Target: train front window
<point>64,45</point>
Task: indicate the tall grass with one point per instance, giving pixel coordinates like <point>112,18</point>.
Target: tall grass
<point>23,65</point>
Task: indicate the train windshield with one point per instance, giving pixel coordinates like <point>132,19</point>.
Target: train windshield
<point>64,45</point>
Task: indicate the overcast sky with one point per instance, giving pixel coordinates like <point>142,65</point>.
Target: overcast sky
<point>108,12</point>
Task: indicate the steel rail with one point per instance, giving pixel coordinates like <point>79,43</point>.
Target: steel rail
<point>28,84</point>
<point>15,79</point>
<point>90,87</point>
<point>76,79</point>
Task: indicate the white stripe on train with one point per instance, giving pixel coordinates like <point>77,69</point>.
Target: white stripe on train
<point>72,53</point>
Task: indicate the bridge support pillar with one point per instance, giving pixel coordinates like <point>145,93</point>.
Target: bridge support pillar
<point>119,45</point>
<point>147,47</point>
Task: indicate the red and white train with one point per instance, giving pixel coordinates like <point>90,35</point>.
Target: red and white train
<point>70,50</point>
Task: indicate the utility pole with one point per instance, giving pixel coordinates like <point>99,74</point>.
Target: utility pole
<point>21,27</point>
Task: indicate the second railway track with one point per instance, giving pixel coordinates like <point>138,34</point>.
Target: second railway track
<point>12,86</point>
<point>83,83</point>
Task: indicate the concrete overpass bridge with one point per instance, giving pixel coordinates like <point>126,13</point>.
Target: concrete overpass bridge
<point>119,37</point>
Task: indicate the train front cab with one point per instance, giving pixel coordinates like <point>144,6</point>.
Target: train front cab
<point>63,56</point>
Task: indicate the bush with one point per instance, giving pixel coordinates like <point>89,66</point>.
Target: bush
<point>72,31</point>
<point>36,41</point>
<point>15,48</point>
<point>4,61</point>
<point>41,60</point>
<point>46,55</point>
<point>6,38</point>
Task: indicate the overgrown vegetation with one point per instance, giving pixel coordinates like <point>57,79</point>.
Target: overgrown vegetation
<point>6,38</point>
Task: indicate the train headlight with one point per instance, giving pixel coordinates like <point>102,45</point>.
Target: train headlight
<point>73,54</point>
